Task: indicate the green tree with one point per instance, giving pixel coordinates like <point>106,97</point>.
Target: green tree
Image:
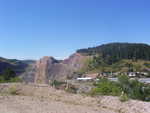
<point>9,74</point>
<point>124,83</point>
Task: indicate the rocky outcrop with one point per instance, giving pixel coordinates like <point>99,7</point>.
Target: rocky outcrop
<point>29,75</point>
<point>42,69</point>
<point>76,61</point>
<point>49,68</point>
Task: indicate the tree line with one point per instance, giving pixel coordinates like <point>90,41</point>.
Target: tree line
<point>113,52</point>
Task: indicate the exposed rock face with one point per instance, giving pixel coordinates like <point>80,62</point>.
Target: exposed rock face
<point>42,69</point>
<point>29,74</point>
<point>49,68</point>
<point>76,61</point>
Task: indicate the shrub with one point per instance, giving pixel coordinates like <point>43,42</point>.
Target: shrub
<point>71,89</point>
<point>9,76</point>
<point>15,79</point>
<point>106,87</point>
<point>124,83</point>
<point>132,89</point>
<point>124,97</point>
<point>2,80</point>
<point>146,93</point>
<point>56,83</point>
<point>136,90</point>
<point>13,91</point>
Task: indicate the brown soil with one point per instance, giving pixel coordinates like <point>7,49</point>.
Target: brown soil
<point>45,99</point>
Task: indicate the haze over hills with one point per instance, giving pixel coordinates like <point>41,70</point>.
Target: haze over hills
<point>108,57</point>
<point>17,65</point>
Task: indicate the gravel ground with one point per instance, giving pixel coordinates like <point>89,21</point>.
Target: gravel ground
<point>24,104</point>
<point>45,99</point>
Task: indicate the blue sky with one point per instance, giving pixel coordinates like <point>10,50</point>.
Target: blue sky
<point>30,29</point>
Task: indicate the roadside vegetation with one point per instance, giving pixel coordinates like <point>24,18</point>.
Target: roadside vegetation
<point>125,88</point>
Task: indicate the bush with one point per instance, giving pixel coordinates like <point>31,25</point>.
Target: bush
<point>16,79</point>
<point>13,91</point>
<point>9,76</point>
<point>2,80</point>
<point>136,90</point>
<point>132,89</point>
<point>106,87</point>
<point>56,83</point>
<point>124,83</point>
<point>124,97</point>
<point>146,93</point>
<point>71,89</point>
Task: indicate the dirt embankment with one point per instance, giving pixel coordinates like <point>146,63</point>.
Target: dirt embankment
<point>31,98</point>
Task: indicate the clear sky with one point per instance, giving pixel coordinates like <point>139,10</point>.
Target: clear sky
<point>30,29</point>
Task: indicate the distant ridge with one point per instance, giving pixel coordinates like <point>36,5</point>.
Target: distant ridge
<point>111,57</point>
<point>18,66</point>
<point>120,51</point>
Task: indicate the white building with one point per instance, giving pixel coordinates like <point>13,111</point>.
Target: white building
<point>84,79</point>
<point>132,74</point>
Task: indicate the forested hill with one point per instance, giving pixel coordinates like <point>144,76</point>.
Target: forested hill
<point>118,51</point>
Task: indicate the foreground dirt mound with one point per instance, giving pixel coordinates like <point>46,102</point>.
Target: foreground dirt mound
<point>33,98</point>
<point>20,104</point>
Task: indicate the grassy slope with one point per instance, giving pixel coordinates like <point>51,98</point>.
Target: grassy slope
<point>120,66</point>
